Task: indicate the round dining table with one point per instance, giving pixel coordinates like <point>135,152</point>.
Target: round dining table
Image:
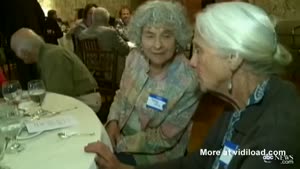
<point>48,151</point>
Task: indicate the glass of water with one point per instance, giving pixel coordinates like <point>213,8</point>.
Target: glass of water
<point>37,92</point>
<point>12,93</point>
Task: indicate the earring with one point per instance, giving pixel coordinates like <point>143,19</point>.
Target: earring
<point>229,87</point>
<point>177,48</point>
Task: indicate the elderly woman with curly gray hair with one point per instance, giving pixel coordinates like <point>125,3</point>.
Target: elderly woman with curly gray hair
<point>150,118</point>
<point>237,57</point>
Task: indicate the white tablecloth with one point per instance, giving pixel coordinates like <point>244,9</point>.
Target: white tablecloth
<point>47,151</point>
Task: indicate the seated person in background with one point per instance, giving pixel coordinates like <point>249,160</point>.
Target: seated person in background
<point>108,38</point>
<point>61,70</point>
<point>237,56</point>
<point>53,30</point>
<point>79,15</point>
<point>150,118</point>
<point>83,23</point>
<point>123,21</point>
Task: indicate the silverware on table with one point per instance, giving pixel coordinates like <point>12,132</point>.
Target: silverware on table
<point>53,113</point>
<point>65,135</point>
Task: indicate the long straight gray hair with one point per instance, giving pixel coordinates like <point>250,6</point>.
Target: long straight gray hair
<point>243,29</point>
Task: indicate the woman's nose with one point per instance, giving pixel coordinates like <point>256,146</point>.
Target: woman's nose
<point>193,61</point>
<point>157,43</point>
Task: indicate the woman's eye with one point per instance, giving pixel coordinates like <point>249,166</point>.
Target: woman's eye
<point>166,36</point>
<point>149,36</point>
<point>196,51</point>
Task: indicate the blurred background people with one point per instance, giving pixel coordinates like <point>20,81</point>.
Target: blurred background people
<point>84,23</point>
<point>123,21</point>
<point>108,38</point>
<point>53,31</point>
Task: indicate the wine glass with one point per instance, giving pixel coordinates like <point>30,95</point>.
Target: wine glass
<point>3,143</point>
<point>10,131</point>
<point>12,93</point>
<point>37,92</point>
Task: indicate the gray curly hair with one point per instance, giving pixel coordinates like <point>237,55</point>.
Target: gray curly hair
<point>161,13</point>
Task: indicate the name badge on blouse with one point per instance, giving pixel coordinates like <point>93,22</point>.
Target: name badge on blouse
<point>156,102</point>
<point>229,150</point>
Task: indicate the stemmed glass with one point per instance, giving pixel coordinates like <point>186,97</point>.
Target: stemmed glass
<point>3,144</point>
<point>12,93</point>
<point>13,128</point>
<point>37,92</point>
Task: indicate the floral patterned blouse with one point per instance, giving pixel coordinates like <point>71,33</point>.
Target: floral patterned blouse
<point>154,135</point>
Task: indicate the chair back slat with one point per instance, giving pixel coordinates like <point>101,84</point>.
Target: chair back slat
<point>102,64</point>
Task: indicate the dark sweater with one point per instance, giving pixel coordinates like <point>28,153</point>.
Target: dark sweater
<point>270,125</point>
<point>53,31</point>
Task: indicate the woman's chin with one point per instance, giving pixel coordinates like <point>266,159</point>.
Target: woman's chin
<point>203,87</point>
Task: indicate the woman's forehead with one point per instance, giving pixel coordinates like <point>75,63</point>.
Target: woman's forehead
<point>158,28</point>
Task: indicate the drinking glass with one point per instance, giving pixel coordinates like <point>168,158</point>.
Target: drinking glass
<point>10,129</point>
<point>2,150</point>
<point>12,93</point>
<point>11,135</point>
<point>37,92</point>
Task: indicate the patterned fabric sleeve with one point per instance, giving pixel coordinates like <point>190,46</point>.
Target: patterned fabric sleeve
<point>156,140</point>
<point>116,106</point>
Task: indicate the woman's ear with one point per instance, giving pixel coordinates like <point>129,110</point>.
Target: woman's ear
<point>235,61</point>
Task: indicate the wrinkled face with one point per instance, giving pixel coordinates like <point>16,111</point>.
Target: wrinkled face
<point>213,70</point>
<point>125,15</point>
<point>158,44</point>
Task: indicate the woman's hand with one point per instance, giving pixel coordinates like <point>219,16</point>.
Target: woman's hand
<point>113,131</point>
<point>105,158</point>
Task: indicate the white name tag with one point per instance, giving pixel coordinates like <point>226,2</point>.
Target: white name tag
<point>229,150</point>
<point>156,102</point>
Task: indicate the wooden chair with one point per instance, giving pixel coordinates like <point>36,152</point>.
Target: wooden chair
<point>76,49</point>
<point>102,64</point>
